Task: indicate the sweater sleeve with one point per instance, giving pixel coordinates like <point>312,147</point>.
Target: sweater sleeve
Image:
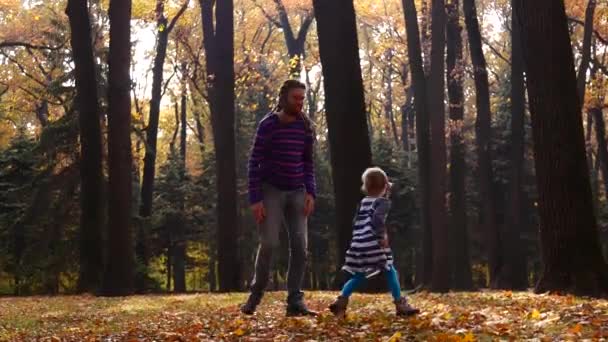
<point>381,209</point>
<point>309,170</point>
<point>256,160</point>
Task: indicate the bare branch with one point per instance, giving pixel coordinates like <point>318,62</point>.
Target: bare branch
<point>495,51</point>
<point>9,44</point>
<point>179,14</point>
<point>268,16</point>
<point>597,34</point>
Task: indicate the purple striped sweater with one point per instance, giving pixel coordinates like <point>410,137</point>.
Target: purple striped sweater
<point>282,157</point>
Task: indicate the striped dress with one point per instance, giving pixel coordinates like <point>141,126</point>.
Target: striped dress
<point>365,254</point>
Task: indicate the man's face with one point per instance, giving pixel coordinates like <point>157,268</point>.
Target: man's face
<point>295,101</point>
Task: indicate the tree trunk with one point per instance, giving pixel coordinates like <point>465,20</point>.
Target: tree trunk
<point>388,104</point>
<point>436,89</point>
<point>179,269</point>
<point>345,106</point>
<point>572,258</point>
<point>219,49</point>
<point>461,262</point>
<point>163,29</point>
<point>586,52</point>
<point>512,272</point>
<point>422,134</point>
<point>483,133</point>
<point>91,216</point>
<point>119,269</point>
<point>295,44</point>
<point>602,150</point>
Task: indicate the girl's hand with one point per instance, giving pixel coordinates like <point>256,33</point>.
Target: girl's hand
<point>384,242</point>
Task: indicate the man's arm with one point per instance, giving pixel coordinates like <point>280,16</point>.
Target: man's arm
<point>309,170</point>
<point>256,159</point>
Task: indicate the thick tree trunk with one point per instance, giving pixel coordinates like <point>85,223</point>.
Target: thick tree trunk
<point>422,135</point>
<point>436,90</point>
<point>512,272</point>
<point>459,235</point>
<point>91,215</point>
<point>345,106</point>
<point>483,134</point>
<point>218,41</point>
<point>572,258</point>
<point>119,268</point>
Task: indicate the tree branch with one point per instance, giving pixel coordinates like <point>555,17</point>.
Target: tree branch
<point>495,51</point>
<point>179,14</point>
<point>9,44</point>
<point>597,34</point>
<point>268,16</point>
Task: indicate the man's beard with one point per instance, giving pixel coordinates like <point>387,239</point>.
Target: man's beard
<point>292,111</point>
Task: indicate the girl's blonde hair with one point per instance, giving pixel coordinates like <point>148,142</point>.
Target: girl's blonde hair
<point>374,180</point>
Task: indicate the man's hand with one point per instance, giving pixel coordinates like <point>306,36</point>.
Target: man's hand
<point>309,204</point>
<point>259,212</point>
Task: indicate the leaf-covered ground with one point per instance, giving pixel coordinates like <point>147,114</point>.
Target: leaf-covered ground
<point>479,316</point>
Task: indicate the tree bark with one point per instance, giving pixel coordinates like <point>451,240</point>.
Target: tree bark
<point>483,133</point>
<point>422,134</point>
<point>461,263</point>
<point>91,216</point>
<point>119,269</point>
<point>571,254</point>
<point>436,90</point>
<point>218,41</point>
<point>345,106</point>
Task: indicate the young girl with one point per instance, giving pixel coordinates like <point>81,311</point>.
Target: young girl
<point>369,253</point>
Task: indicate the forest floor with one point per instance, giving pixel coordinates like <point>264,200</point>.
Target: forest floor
<point>467,316</point>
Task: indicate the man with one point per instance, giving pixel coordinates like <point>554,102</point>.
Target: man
<point>282,185</point>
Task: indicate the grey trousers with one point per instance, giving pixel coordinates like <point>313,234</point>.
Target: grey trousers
<point>279,205</point>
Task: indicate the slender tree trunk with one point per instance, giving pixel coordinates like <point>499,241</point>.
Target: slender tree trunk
<point>179,269</point>
<point>483,133</point>
<point>91,216</point>
<point>572,258</point>
<point>461,262</point>
<point>602,150</point>
<point>163,29</point>
<point>218,41</point>
<point>388,104</point>
<point>436,91</point>
<point>586,52</point>
<point>345,106</point>
<point>512,272</point>
<point>422,134</point>
<point>295,44</point>
<point>119,268</point>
